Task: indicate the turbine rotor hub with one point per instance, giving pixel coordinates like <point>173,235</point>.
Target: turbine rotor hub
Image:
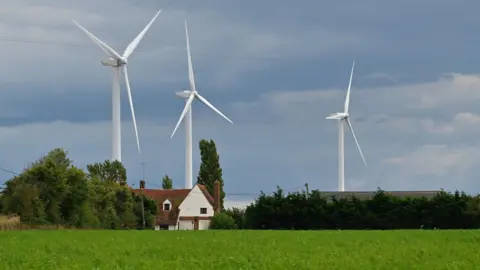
<point>110,62</point>
<point>122,61</point>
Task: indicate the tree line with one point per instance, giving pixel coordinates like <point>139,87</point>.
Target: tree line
<point>312,211</point>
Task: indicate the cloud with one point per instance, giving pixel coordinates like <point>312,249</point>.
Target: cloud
<point>437,166</point>
<point>436,160</point>
<point>381,75</point>
<point>460,123</point>
<point>466,119</point>
<point>238,204</point>
<point>446,94</point>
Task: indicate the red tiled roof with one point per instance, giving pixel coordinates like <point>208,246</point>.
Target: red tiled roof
<point>160,195</point>
<point>175,196</point>
<point>206,193</point>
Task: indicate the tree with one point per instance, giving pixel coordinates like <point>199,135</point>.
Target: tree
<point>43,185</point>
<point>53,191</point>
<point>108,171</point>
<point>382,211</point>
<point>222,221</point>
<point>210,169</point>
<point>167,182</point>
<point>238,216</point>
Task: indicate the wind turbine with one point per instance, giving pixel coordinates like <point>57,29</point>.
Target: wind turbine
<point>118,63</point>
<point>189,96</point>
<point>341,117</point>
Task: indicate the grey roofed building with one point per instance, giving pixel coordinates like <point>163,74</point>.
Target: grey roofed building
<point>369,194</point>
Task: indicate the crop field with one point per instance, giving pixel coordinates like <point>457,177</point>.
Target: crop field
<point>83,249</point>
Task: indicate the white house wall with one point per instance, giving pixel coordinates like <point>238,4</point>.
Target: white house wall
<point>195,200</point>
<point>203,224</point>
<point>186,225</point>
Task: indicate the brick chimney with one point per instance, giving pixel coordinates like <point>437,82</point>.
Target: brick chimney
<point>142,184</point>
<point>216,196</point>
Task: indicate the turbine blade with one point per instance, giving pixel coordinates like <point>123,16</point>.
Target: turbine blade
<point>185,110</point>
<point>356,141</point>
<point>191,76</point>
<point>204,101</point>
<point>127,82</point>
<point>133,45</point>
<point>347,99</point>
<point>107,49</point>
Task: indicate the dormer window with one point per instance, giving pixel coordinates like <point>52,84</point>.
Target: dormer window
<point>167,205</point>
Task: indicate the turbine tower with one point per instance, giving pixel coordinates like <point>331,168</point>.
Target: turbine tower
<point>344,117</point>
<point>118,63</point>
<point>189,96</point>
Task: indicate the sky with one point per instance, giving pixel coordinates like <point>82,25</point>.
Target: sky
<point>276,68</point>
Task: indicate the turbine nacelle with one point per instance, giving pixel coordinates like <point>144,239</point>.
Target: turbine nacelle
<point>337,116</point>
<point>184,94</point>
<point>110,62</point>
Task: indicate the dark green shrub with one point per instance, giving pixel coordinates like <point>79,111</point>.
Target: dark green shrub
<point>222,221</point>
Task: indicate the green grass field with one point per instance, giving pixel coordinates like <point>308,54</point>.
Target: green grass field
<point>194,250</point>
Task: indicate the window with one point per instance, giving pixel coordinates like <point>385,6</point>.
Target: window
<point>166,206</point>
<point>203,210</point>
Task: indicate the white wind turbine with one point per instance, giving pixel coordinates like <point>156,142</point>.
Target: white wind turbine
<point>189,96</point>
<point>118,62</point>
<point>344,116</point>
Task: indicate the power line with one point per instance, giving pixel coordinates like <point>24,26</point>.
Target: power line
<point>53,42</point>
<point>48,42</point>
<point>83,45</point>
<point>8,171</point>
<point>143,163</point>
<point>143,178</point>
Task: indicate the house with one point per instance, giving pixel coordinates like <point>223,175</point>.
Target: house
<point>183,209</point>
